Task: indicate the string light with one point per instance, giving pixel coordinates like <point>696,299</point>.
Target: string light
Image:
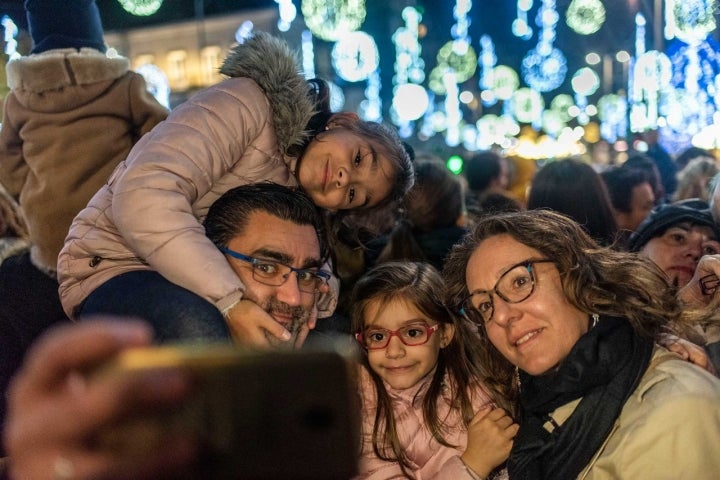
<point>585,16</point>
<point>544,67</point>
<point>331,20</point>
<point>141,8</point>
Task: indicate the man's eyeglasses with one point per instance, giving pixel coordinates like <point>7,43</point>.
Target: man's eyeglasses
<point>274,274</point>
<point>411,335</point>
<point>513,286</point>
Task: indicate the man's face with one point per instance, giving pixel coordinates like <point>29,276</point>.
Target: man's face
<point>678,250</point>
<point>267,237</point>
<point>642,202</point>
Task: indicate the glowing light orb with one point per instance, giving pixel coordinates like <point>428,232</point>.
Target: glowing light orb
<point>455,164</point>
<point>552,122</point>
<point>527,105</point>
<point>461,57</point>
<point>410,101</point>
<point>332,19</point>
<point>612,108</point>
<point>157,82</point>
<point>585,81</point>
<point>653,71</point>
<point>585,16</point>
<point>561,104</point>
<point>141,8</point>
<point>505,81</point>
<point>355,56</point>
<point>544,72</point>
<point>694,19</point>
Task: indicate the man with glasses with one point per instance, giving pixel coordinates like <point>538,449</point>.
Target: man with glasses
<point>273,239</point>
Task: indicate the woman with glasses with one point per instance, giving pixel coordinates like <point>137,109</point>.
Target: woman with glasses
<point>425,410</point>
<point>566,328</point>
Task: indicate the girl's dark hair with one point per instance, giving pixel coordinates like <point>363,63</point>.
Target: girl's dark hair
<point>577,190</point>
<point>421,285</point>
<point>436,201</point>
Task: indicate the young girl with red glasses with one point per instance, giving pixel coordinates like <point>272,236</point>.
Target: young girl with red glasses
<point>426,412</point>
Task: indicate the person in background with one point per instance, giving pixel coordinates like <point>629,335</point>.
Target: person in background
<point>434,218</point>
<point>264,123</point>
<point>694,180</point>
<point>678,237</point>
<point>647,165</point>
<point>690,153</point>
<point>71,115</point>
<point>663,161</point>
<point>575,324</point>
<point>631,196</point>
<point>426,412</point>
<point>488,175</point>
<point>13,231</point>
<point>575,189</point>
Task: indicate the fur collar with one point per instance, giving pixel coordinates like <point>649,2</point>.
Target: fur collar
<point>272,65</point>
<point>63,67</point>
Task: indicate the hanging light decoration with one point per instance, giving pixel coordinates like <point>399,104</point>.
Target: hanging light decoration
<point>520,27</point>
<point>585,16</point>
<point>332,19</point>
<point>355,56</point>
<point>141,8</point>
<point>527,106</point>
<point>694,19</point>
<point>544,67</point>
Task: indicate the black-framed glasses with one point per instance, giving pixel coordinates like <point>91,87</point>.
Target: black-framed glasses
<point>274,274</point>
<point>709,284</point>
<point>412,335</point>
<point>513,286</point>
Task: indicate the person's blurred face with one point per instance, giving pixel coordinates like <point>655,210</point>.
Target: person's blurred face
<point>267,237</point>
<point>642,202</point>
<point>678,250</point>
<point>537,333</point>
<point>400,365</point>
<point>340,170</point>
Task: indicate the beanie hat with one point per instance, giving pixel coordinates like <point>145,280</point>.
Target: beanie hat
<point>662,217</point>
<point>64,24</point>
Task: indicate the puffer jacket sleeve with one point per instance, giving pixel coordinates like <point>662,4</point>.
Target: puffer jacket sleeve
<point>173,166</point>
<point>13,168</point>
<point>145,109</point>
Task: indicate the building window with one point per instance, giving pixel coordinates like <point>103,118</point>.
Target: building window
<point>177,70</point>
<point>210,65</point>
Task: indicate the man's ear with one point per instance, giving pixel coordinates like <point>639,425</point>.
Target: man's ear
<point>447,331</point>
<point>342,119</point>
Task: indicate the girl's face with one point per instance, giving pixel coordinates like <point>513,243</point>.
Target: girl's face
<point>403,366</point>
<point>537,333</point>
<point>341,170</point>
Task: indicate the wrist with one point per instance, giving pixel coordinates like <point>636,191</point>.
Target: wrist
<point>472,471</point>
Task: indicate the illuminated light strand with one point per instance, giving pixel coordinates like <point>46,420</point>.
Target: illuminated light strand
<point>544,67</point>
<point>141,8</point>
<point>520,26</point>
<point>487,61</point>
<point>308,54</point>
<point>287,12</point>
<point>10,31</point>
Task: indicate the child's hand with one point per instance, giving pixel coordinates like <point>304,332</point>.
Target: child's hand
<point>687,351</point>
<point>251,325</point>
<point>490,437</point>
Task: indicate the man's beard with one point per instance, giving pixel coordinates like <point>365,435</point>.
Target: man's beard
<point>299,318</point>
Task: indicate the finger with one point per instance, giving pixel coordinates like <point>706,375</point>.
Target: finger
<point>302,336</point>
<point>57,352</point>
<point>481,413</point>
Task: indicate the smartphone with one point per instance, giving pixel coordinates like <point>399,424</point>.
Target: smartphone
<point>259,415</point>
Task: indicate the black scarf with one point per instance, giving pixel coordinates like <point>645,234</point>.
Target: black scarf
<point>603,368</point>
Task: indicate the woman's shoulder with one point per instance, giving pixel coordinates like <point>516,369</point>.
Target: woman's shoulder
<point>671,378</point>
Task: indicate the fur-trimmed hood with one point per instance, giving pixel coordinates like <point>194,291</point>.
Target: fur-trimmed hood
<point>269,62</point>
<point>62,79</point>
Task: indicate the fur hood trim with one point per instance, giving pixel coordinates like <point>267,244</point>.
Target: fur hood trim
<point>269,62</point>
<point>63,67</point>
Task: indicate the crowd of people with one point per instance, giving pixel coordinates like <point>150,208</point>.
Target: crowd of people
<point>567,331</point>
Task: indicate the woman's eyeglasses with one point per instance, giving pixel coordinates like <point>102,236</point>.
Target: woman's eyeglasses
<point>411,335</point>
<point>513,286</point>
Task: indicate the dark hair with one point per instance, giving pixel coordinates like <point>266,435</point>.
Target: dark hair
<point>575,189</point>
<point>228,215</point>
<point>620,182</point>
<point>482,169</point>
<point>436,201</point>
<point>648,165</point>
<point>594,279</point>
<point>421,285</point>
